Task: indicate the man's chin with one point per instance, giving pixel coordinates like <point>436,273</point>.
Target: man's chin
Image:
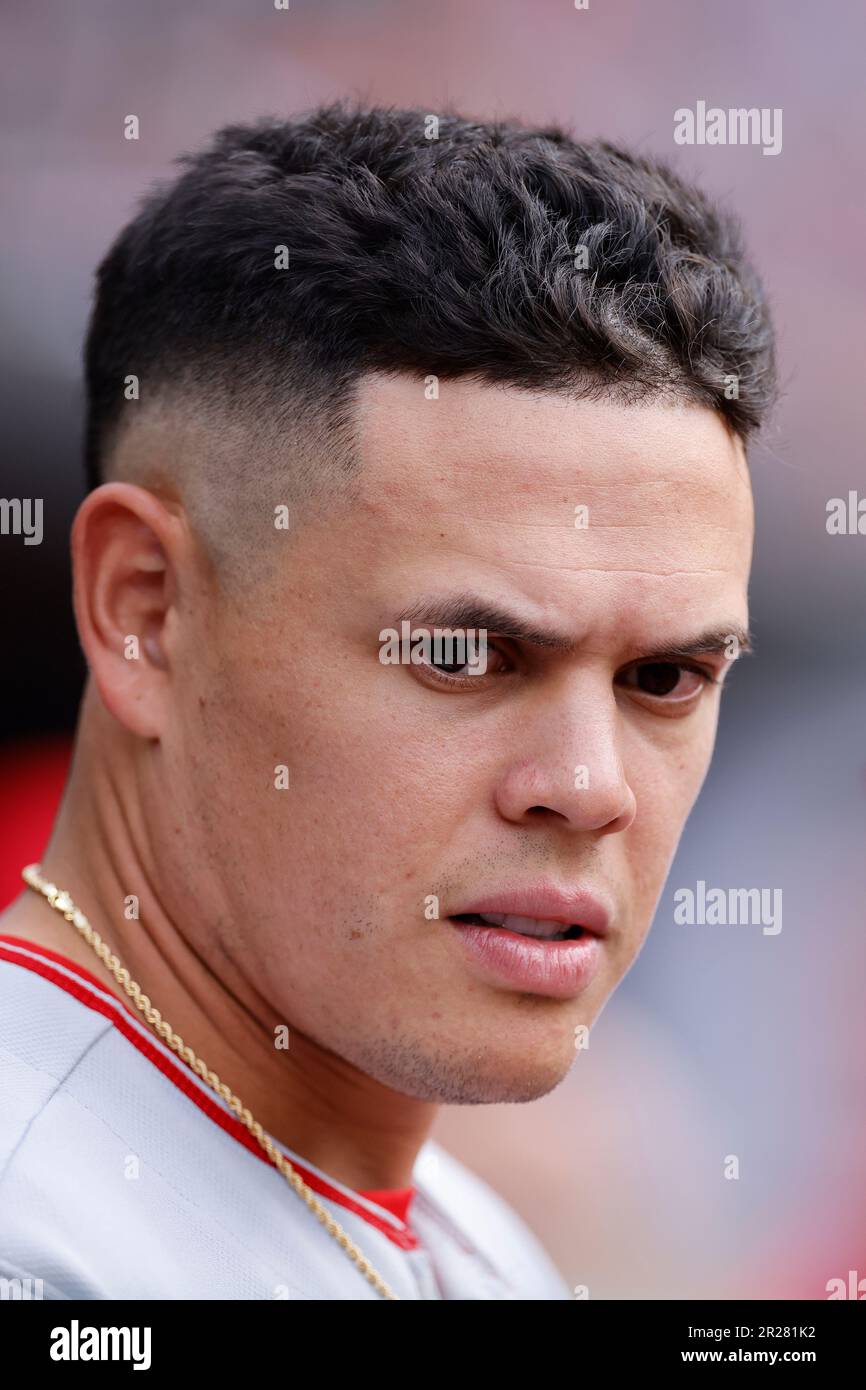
<point>509,1088</point>
<point>495,1077</point>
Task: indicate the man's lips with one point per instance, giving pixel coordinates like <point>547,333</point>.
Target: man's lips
<point>544,904</point>
<point>539,939</point>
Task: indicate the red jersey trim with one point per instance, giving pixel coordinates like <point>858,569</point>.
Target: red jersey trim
<point>402,1236</point>
<point>86,975</point>
<point>397,1200</point>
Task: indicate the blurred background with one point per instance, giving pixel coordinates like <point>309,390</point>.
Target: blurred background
<point>723,1041</point>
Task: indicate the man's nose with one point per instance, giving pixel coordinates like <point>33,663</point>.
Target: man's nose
<point>567,765</point>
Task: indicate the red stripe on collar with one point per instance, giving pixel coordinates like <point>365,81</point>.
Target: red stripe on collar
<point>81,989</point>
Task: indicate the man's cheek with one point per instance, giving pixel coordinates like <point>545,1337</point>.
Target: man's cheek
<point>664,798</point>
<point>667,781</point>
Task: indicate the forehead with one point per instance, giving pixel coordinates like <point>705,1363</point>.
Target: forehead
<point>485,485</point>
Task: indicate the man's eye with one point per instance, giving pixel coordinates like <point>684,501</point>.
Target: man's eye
<point>466,673</point>
<point>666,680</point>
<point>451,668</point>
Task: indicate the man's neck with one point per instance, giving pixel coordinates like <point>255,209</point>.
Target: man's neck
<point>359,1132</point>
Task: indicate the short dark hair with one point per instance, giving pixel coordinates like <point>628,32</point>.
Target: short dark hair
<point>508,254</point>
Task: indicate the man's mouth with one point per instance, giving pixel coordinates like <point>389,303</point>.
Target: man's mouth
<point>539,939</point>
<point>538,928</point>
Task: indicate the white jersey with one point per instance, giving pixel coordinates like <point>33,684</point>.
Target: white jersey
<point>123,1176</point>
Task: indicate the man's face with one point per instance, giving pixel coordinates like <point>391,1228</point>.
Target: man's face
<point>562,771</point>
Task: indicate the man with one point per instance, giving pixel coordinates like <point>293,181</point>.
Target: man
<point>351,389</point>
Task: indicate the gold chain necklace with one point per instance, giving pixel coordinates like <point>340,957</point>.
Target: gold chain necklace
<point>62,903</point>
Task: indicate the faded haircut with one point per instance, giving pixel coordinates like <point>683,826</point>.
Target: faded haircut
<point>289,257</point>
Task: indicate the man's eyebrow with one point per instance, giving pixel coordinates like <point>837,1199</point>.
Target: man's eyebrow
<point>467,610</point>
<point>707,644</point>
<point>471,611</point>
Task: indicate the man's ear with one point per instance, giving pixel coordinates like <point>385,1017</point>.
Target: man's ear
<point>127,548</point>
